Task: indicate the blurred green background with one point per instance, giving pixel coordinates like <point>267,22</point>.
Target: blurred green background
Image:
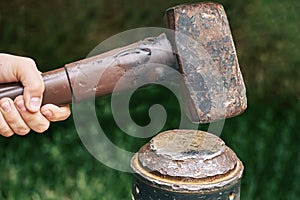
<point>55,165</point>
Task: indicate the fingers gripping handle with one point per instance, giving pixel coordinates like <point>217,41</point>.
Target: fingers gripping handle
<point>57,88</point>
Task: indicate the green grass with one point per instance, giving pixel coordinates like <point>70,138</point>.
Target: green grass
<point>56,165</point>
<point>266,139</point>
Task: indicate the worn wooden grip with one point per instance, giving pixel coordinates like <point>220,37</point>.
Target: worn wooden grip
<point>57,88</point>
<point>11,90</point>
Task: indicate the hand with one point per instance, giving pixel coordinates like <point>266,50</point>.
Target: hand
<point>24,113</point>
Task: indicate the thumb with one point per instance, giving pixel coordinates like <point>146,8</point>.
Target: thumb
<point>32,81</point>
<point>23,69</point>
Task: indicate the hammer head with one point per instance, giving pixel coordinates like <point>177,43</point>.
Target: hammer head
<point>208,61</point>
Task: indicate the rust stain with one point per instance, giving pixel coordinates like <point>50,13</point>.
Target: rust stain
<point>208,61</point>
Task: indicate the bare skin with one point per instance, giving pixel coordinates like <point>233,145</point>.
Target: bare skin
<point>25,113</point>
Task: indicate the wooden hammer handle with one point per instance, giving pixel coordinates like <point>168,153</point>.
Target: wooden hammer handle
<point>57,88</point>
<point>98,75</point>
<point>11,90</point>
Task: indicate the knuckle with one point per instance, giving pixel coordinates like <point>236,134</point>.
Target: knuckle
<point>7,133</point>
<point>18,98</point>
<point>25,63</point>
<point>5,130</point>
<point>29,62</point>
<point>22,131</point>
<point>28,65</point>
<point>66,116</point>
<point>6,99</point>
<point>66,112</point>
<point>41,127</point>
<point>3,127</point>
<point>20,128</point>
<point>37,86</point>
<point>29,118</point>
<point>12,120</point>
<point>56,116</point>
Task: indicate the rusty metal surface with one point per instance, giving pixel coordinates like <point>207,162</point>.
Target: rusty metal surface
<point>188,154</point>
<point>187,160</point>
<point>208,61</point>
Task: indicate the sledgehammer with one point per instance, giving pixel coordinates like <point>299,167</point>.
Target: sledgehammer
<point>201,46</point>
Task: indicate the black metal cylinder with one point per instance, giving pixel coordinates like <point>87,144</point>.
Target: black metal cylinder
<point>184,165</point>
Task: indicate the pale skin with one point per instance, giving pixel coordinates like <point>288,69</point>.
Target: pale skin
<point>25,113</point>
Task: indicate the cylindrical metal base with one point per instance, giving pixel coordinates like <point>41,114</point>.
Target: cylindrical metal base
<point>142,190</point>
<point>186,164</point>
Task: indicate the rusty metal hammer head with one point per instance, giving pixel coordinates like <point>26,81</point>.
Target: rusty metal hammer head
<point>208,61</point>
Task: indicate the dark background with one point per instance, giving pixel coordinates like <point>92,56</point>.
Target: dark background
<point>55,165</point>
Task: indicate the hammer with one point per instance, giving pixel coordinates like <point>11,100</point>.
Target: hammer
<point>200,47</point>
